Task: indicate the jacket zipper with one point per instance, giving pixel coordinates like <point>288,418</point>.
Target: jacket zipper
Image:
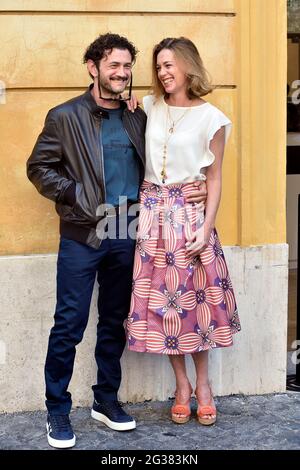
<point>126,132</point>
<point>102,182</point>
<point>141,160</point>
<point>131,140</point>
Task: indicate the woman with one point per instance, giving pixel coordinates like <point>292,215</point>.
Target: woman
<point>182,300</point>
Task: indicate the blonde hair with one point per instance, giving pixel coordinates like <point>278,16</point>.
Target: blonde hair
<point>199,81</point>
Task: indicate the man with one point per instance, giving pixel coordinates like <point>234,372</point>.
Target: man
<point>90,152</point>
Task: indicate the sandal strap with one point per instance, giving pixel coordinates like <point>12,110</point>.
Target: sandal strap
<point>206,410</point>
<point>181,410</point>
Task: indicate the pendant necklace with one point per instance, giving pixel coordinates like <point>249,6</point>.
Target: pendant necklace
<point>170,129</point>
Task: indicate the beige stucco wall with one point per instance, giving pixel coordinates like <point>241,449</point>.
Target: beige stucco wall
<point>42,45</point>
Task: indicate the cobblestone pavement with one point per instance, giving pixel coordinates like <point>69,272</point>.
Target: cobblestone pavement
<point>244,422</point>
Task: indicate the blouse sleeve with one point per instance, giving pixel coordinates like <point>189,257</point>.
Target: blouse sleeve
<point>147,103</point>
<point>217,122</point>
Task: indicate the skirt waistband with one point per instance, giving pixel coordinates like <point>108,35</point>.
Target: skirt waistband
<point>172,190</point>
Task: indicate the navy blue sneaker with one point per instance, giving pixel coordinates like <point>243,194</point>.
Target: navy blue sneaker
<point>59,432</point>
<point>112,414</point>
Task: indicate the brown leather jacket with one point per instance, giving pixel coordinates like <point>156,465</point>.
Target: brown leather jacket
<point>66,164</point>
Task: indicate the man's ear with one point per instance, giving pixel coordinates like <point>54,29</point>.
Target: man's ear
<point>91,66</point>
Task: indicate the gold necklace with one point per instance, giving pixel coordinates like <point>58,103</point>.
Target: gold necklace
<point>174,123</point>
<point>171,130</point>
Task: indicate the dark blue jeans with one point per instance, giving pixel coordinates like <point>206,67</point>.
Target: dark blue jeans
<point>77,267</point>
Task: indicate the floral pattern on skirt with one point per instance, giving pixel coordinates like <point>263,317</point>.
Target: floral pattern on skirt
<point>178,305</point>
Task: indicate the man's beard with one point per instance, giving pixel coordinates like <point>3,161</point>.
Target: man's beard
<point>105,88</point>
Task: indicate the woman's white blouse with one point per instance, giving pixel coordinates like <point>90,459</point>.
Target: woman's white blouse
<point>188,152</point>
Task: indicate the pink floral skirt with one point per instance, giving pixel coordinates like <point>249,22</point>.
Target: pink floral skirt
<point>178,305</point>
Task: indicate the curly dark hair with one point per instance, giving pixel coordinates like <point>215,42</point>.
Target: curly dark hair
<point>105,43</point>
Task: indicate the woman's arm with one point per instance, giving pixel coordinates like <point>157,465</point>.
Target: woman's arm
<point>214,178</point>
<point>214,186</point>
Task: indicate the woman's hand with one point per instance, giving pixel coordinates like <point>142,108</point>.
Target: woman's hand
<point>133,103</point>
<point>198,241</point>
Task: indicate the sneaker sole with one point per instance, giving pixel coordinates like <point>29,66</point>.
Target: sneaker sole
<point>59,443</point>
<point>112,424</point>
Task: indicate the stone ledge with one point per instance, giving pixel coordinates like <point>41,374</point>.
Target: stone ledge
<point>256,364</point>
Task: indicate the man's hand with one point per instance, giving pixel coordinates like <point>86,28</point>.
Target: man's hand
<point>133,103</point>
<point>200,194</point>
